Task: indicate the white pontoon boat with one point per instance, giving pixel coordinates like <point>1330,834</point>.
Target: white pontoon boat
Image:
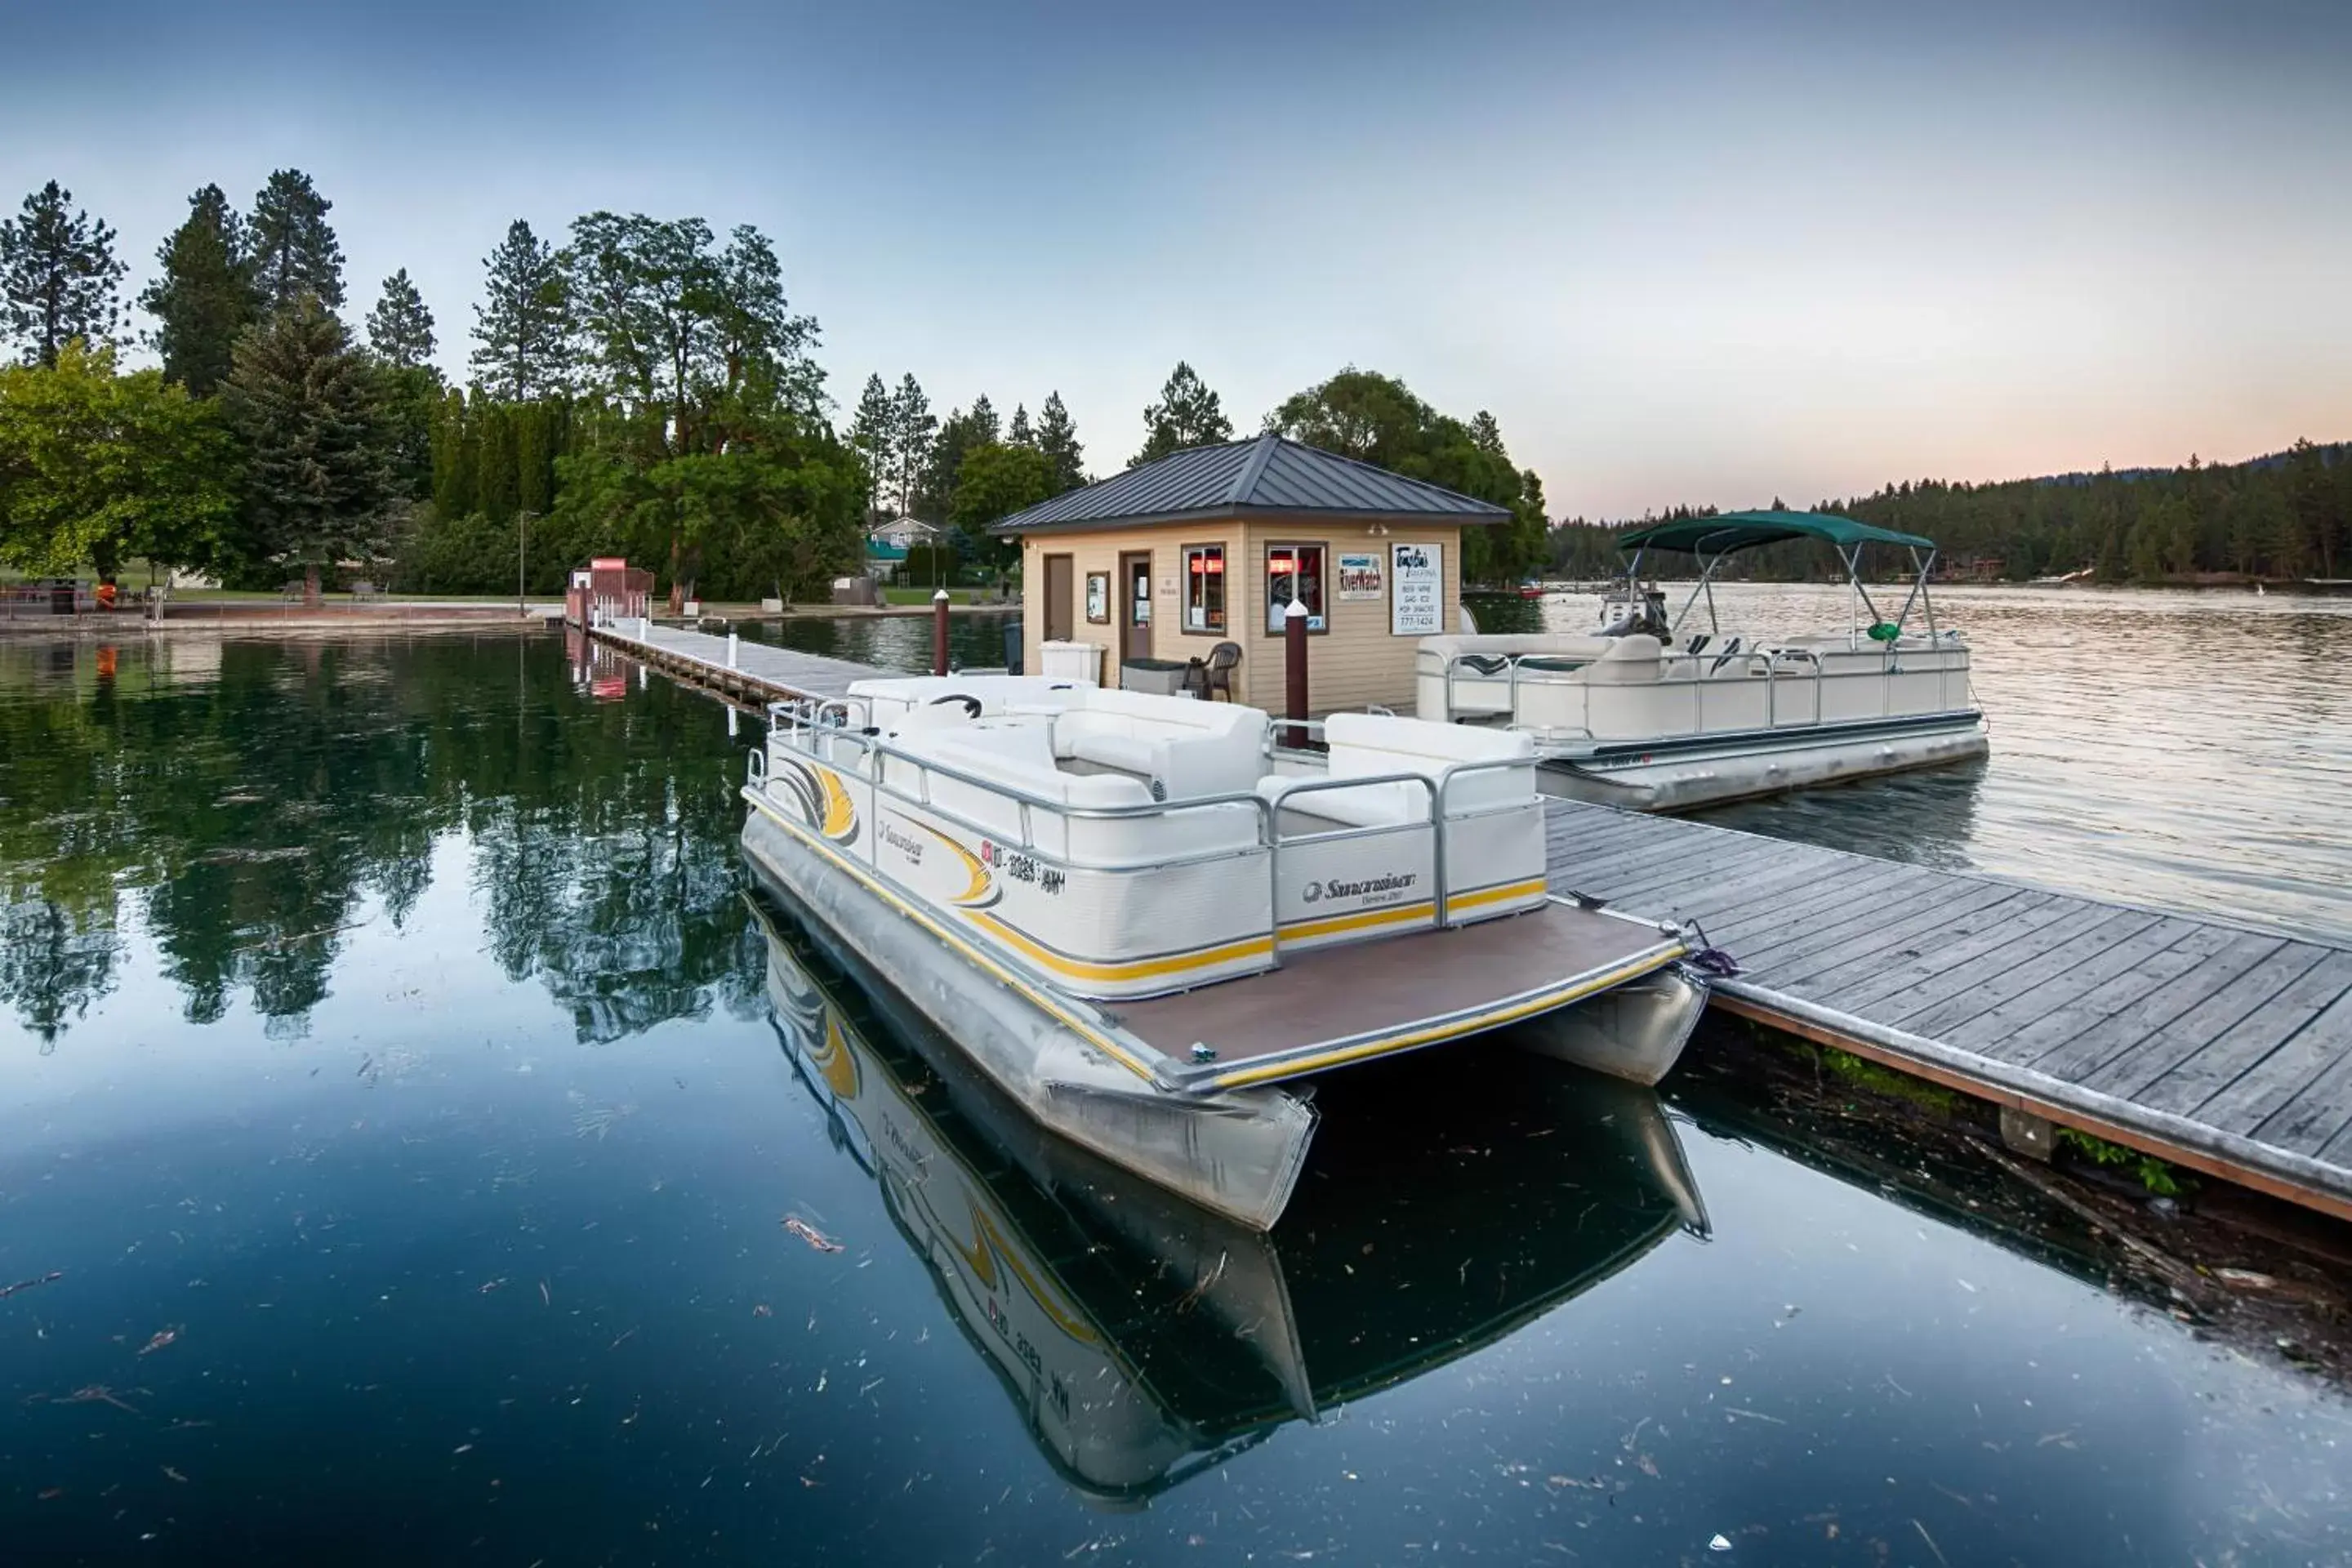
<point>1654,713</point>
<point>1139,920</point>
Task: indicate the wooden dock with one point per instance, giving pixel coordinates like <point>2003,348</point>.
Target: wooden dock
<point>2220,1047</point>
<point>751,672</point>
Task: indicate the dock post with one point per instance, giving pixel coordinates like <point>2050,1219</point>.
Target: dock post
<point>2027,1133</point>
<point>940,632</point>
<point>1294,669</point>
<point>731,639</point>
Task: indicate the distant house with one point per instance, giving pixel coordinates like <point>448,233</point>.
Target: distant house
<point>886,544</point>
<point>1210,544</point>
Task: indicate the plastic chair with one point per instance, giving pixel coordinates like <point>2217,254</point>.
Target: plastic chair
<point>1218,675</point>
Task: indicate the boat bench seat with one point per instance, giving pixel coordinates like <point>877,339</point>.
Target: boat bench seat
<point>1019,753</point>
<point>1184,750</point>
<point>890,700</point>
<point>1374,745</point>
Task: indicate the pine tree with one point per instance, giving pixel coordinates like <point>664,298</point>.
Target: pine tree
<point>911,429</point>
<point>1021,433</point>
<point>58,278</point>
<point>524,324</point>
<point>204,297</point>
<point>1187,415</point>
<point>294,251</point>
<point>873,432</point>
<point>319,472</point>
<point>400,328</point>
<point>1057,437</point>
<point>982,422</point>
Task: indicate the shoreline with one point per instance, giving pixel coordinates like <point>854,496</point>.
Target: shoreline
<point>237,617</point>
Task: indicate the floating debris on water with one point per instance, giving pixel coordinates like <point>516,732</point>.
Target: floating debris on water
<point>810,1233</point>
<point>53,1276</point>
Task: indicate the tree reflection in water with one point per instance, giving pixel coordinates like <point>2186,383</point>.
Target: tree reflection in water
<point>244,805</point>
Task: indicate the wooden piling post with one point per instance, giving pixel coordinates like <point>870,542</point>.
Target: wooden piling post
<point>1294,670</point>
<point>940,632</point>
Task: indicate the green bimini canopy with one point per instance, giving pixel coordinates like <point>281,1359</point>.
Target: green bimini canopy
<point>1731,531</point>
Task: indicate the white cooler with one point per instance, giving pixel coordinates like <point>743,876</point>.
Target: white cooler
<point>1072,661</point>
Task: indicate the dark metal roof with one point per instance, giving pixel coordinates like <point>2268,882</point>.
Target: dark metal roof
<point>1267,475</point>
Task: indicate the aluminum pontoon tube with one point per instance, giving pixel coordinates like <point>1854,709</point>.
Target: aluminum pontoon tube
<point>1237,1152</point>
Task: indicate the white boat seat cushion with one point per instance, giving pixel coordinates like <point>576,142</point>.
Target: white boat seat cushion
<point>1365,745</point>
<point>1185,750</point>
<point>1020,755</point>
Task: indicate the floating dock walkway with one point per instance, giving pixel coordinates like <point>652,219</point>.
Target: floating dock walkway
<point>2220,1047</point>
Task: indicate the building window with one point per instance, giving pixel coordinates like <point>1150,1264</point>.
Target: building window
<point>1294,570</point>
<point>1205,588</point>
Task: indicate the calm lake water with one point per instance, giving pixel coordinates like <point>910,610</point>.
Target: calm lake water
<point>402,1091</point>
<point>2191,752</point>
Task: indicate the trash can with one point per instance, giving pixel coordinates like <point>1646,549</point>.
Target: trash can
<point>1080,661</point>
<point>1160,677</point>
<point>1013,646</point>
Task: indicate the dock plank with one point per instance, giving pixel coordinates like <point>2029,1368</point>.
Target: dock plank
<point>1828,896</point>
<point>2080,973</point>
<point>2252,1045</point>
<point>2305,1092</point>
<point>1731,912</point>
<point>2074,1018</point>
<point>1790,895</point>
<point>1979,954</point>
<point>1935,1009</point>
<point>2132,1071</point>
<point>1841,976</point>
<point>1724,869</point>
<point>1926,906</point>
<point>1940,914</point>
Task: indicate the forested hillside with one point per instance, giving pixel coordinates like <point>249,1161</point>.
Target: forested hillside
<point>2283,516</point>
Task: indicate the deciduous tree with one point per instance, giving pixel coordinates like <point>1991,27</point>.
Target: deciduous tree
<point>203,297</point>
<point>996,480</point>
<point>59,277</point>
<point>96,466</point>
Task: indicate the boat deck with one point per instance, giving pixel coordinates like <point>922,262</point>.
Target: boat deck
<point>2220,1047</point>
<point>1329,1005</point>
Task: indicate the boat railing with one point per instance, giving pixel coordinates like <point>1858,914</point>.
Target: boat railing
<point>804,717</point>
<point>1706,670</point>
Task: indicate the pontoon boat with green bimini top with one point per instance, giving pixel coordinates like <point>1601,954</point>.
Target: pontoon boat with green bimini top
<point>1654,713</point>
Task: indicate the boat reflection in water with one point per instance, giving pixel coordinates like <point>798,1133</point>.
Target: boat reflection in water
<point>1145,1338</point>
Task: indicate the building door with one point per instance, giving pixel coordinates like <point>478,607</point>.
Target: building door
<point>1060,605</point>
<point>1135,605</point>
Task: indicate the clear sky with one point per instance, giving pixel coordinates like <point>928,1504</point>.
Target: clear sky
<point>1685,253</point>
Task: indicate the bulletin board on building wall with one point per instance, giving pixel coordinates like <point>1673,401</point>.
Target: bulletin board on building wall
<point>1417,594</point>
<point>1361,577</point>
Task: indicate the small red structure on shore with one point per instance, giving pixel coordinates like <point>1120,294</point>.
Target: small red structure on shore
<point>608,589</point>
